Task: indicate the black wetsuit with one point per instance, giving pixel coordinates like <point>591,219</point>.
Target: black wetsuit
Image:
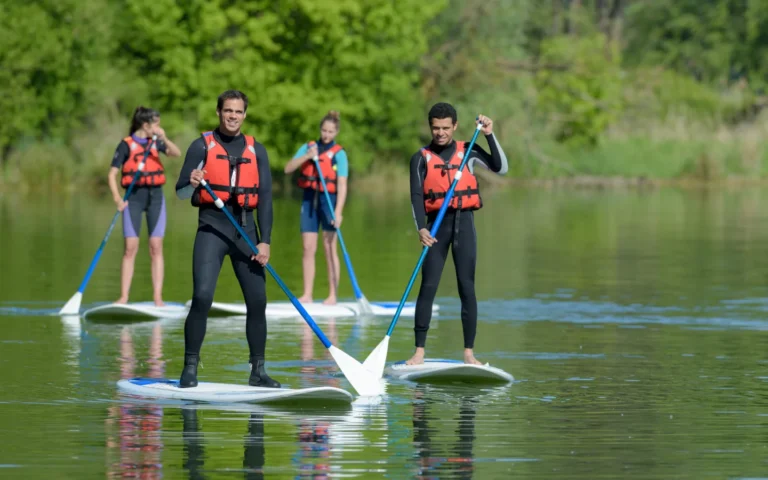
<point>457,230</point>
<point>216,237</point>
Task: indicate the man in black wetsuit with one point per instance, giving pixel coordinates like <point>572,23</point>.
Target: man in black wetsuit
<point>433,168</point>
<point>224,158</point>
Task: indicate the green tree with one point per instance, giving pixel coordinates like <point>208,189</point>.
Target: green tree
<point>585,98</point>
<point>295,59</point>
<point>690,36</point>
<point>54,57</point>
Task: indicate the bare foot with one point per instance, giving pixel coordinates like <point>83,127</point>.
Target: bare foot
<point>305,299</point>
<point>159,302</point>
<point>331,300</point>
<point>417,358</point>
<point>122,300</point>
<point>469,358</point>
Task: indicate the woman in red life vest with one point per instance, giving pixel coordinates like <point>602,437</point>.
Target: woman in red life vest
<point>315,211</point>
<point>433,169</point>
<point>146,196</point>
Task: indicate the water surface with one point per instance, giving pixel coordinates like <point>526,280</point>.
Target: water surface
<point>633,321</point>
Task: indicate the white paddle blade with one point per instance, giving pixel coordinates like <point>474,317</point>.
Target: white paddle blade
<point>365,307</point>
<point>378,357</point>
<point>72,307</point>
<point>361,379</point>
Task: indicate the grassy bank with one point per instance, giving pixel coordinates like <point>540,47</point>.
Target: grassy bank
<point>675,152</point>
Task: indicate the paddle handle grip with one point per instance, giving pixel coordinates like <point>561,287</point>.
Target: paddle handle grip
<point>433,232</point>
<point>283,286</point>
<point>345,253</point>
<point>103,244</point>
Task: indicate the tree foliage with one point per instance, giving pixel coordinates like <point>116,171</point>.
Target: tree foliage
<point>563,69</point>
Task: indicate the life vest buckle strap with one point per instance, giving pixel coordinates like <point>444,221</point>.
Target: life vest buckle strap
<point>220,188</point>
<point>432,195</point>
<point>445,166</point>
<point>245,190</point>
<point>233,160</point>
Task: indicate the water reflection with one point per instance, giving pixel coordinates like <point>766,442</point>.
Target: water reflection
<point>194,446</point>
<point>459,461</point>
<point>310,369</point>
<point>133,430</point>
<point>253,456</point>
<point>313,438</point>
<point>312,458</point>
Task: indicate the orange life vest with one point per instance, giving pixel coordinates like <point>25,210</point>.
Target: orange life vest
<point>219,169</point>
<point>440,176</point>
<point>309,177</point>
<point>153,173</point>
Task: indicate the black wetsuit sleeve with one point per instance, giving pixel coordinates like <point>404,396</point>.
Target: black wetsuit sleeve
<point>264,209</point>
<point>121,154</point>
<point>418,172</point>
<point>496,161</point>
<point>194,159</point>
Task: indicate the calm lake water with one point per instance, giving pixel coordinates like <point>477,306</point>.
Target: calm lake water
<point>634,323</point>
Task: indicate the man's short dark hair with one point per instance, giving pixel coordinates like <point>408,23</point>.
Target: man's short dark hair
<point>442,110</point>
<point>232,94</point>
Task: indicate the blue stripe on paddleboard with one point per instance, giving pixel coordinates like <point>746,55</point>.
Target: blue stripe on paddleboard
<point>152,304</point>
<point>393,305</point>
<point>435,360</point>
<point>149,381</point>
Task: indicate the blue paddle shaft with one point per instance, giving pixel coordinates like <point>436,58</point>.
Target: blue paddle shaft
<point>283,286</point>
<point>435,226</point>
<point>97,256</point>
<point>347,261</point>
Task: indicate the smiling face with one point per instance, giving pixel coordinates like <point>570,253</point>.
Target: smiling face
<point>442,130</point>
<point>231,116</point>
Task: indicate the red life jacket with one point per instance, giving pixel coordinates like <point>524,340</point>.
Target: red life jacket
<point>219,168</point>
<point>309,177</point>
<point>153,173</point>
<point>439,177</point>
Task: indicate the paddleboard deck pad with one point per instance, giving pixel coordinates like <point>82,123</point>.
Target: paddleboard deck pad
<point>317,309</point>
<point>209,392</point>
<point>137,309</point>
<point>448,371</point>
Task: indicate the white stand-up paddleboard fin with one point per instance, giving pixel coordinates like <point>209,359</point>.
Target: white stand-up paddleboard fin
<point>361,379</point>
<point>377,358</point>
<point>72,307</point>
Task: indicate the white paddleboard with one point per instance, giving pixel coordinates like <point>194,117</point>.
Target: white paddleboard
<point>137,309</point>
<point>229,393</point>
<point>448,370</point>
<point>389,308</point>
<point>317,309</point>
<point>281,310</point>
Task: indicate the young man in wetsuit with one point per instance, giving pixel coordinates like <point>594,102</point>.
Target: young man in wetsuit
<point>237,169</point>
<point>433,169</point>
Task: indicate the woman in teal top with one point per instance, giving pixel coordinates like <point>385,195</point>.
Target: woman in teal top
<point>315,211</point>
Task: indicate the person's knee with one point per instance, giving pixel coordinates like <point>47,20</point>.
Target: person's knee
<point>256,303</point>
<point>310,249</point>
<point>202,299</point>
<point>131,248</point>
<point>155,248</point>
<point>429,288</point>
<point>466,288</point>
